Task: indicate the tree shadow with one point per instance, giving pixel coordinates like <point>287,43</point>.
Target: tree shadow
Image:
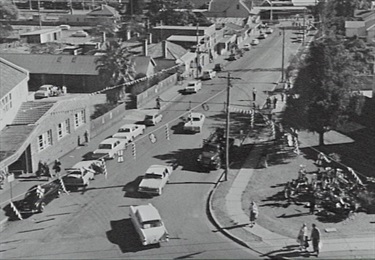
<point>124,235</point>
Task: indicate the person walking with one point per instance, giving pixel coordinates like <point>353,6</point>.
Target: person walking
<point>158,100</point>
<point>274,102</point>
<point>312,203</point>
<point>302,238</point>
<point>254,213</point>
<point>315,239</point>
<point>57,166</point>
<point>254,94</point>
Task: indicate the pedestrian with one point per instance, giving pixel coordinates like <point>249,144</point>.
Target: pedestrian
<point>315,239</point>
<point>39,171</point>
<point>274,102</point>
<point>87,136</point>
<point>282,96</point>
<point>79,141</point>
<point>158,100</point>
<point>302,238</point>
<point>57,166</point>
<point>312,203</point>
<point>268,102</point>
<point>254,94</point>
<point>46,170</point>
<point>254,212</point>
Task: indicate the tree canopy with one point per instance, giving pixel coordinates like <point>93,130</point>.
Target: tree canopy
<point>8,12</point>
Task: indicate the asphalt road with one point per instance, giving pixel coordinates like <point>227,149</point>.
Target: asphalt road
<point>94,223</point>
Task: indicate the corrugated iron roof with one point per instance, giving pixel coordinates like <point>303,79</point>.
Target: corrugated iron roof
<point>10,76</point>
<point>31,111</point>
<point>54,64</point>
<point>12,138</point>
<point>42,31</point>
<point>174,51</point>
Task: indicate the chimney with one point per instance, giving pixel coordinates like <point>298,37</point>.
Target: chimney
<point>144,47</point>
<point>164,48</point>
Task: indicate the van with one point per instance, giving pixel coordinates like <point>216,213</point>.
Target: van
<point>152,118</point>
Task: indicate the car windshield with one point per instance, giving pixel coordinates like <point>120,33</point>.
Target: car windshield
<point>191,84</point>
<point>196,119</point>
<point>152,176</point>
<point>105,146</point>
<point>151,224</point>
<point>124,130</point>
<point>149,117</point>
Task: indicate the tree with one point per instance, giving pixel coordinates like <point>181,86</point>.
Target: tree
<point>135,7</point>
<point>324,87</point>
<point>116,67</point>
<point>8,12</point>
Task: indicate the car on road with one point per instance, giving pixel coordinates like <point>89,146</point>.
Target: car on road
<point>193,86</point>
<point>254,42</point>
<point>218,67</point>
<point>247,46</point>
<point>80,33</point>
<point>269,30</point>
<point>262,36</point>
<point>82,173</point>
<point>129,132</point>
<point>38,196</point>
<point>152,118</point>
<point>208,74</point>
<point>109,147</point>
<point>232,56</point>
<point>148,224</point>
<point>64,27</point>
<point>155,178</point>
<point>194,123</point>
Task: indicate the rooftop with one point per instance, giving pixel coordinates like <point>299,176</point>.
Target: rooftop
<point>31,111</point>
<point>184,38</point>
<point>11,76</point>
<point>42,31</point>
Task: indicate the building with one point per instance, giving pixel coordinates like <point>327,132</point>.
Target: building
<point>42,36</point>
<point>355,28</point>
<point>13,90</point>
<point>225,8</point>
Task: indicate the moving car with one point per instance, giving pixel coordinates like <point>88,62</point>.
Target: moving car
<point>194,123</point>
<point>80,33</point>
<point>82,173</point>
<point>152,118</point>
<point>148,224</point>
<point>254,42</point>
<point>269,30</point>
<point>130,132</point>
<point>193,87</point>
<point>247,46</point>
<point>38,196</point>
<point>262,36</point>
<point>155,178</point>
<point>109,147</point>
<point>218,67</point>
<point>208,74</point>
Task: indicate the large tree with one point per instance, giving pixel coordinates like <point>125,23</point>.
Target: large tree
<point>323,86</point>
<point>115,68</point>
<point>8,12</point>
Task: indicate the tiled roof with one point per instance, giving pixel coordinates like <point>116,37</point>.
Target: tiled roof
<point>174,51</point>
<point>54,64</point>
<point>30,112</point>
<point>10,76</point>
<point>141,64</point>
<point>104,10</point>
<point>11,139</point>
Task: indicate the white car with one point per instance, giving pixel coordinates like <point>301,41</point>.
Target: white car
<point>193,87</point>
<point>152,118</point>
<point>194,123</point>
<point>269,30</point>
<point>130,132</point>
<point>254,42</point>
<point>262,36</point>
<point>148,224</point>
<point>80,33</point>
<point>82,173</point>
<point>155,178</point>
<point>247,46</point>
<point>46,91</point>
<point>109,147</point>
<point>208,74</point>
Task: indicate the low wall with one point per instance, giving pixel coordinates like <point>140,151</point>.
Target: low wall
<point>156,90</point>
<point>100,124</point>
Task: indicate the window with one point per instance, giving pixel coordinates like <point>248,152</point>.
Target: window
<point>45,140</point>
<point>238,6</point>
<point>79,118</point>
<point>6,102</point>
<point>63,129</point>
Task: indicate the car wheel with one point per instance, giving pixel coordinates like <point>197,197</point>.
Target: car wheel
<point>41,207</point>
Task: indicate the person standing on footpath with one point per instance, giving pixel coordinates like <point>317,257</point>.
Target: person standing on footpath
<point>57,167</point>
<point>254,94</point>
<point>254,213</point>
<point>302,238</point>
<point>274,102</point>
<point>315,239</point>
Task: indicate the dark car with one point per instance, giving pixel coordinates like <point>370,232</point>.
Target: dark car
<point>218,67</point>
<point>38,196</point>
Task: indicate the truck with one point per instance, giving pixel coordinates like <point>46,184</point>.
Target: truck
<point>212,155</point>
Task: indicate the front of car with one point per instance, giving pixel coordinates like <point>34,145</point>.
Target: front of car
<point>194,123</point>
<point>192,87</point>
<point>124,133</point>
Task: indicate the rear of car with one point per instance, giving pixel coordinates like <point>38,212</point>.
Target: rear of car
<point>193,87</point>
<point>208,74</point>
<point>152,118</point>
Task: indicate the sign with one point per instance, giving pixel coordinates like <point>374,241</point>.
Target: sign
<point>10,177</point>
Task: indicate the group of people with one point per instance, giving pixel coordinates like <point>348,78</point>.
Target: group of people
<point>44,170</point>
<point>315,238</point>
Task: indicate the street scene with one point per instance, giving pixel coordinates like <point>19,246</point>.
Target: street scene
<point>187,129</point>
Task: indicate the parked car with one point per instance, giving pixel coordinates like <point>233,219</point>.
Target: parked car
<point>218,67</point>
<point>148,224</point>
<point>130,132</point>
<point>254,42</point>
<point>152,118</point>
<point>269,30</point>
<point>194,123</point>
<point>109,147</point>
<point>64,27</point>
<point>38,196</point>
<point>80,33</point>
<point>46,91</point>
<point>82,173</point>
<point>193,87</point>
<point>247,46</point>
<point>155,178</point>
<point>208,74</point>
<point>232,56</point>
<point>262,36</point>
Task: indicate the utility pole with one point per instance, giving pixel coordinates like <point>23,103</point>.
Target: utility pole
<point>283,57</point>
<point>227,131</point>
<point>197,51</point>
<point>40,17</point>
<point>303,27</point>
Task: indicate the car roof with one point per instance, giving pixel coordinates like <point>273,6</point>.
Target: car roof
<point>147,212</point>
<point>110,140</point>
<point>82,164</point>
<point>156,169</point>
<point>128,126</point>
<point>195,114</point>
